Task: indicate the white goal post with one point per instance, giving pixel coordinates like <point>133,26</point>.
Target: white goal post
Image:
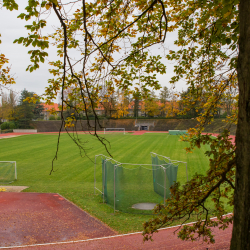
<point>8,172</point>
<point>114,130</point>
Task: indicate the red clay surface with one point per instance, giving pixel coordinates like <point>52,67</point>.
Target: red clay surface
<point>232,137</point>
<point>35,218</point>
<point>48,221</point>
<point>164,239</point>
<point>140,132</point>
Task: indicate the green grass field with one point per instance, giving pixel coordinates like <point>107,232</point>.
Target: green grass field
<point>74,176</point>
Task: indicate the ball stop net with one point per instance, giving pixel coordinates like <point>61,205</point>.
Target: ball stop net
<point>136,188</point>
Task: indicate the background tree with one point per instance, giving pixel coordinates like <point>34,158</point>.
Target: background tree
<point>151,105</point>
<point>5,78</point>
<point>190,106</point>
<point>172,107</point>
<point>26,111</point>
<point>7,105</point>
<point>164,95</point>
<point>122,105</point>
<point>136,102</point>
<point>229,100</point>
<point>109,103</point>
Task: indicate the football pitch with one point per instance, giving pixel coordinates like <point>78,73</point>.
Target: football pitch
<point>74,175</point>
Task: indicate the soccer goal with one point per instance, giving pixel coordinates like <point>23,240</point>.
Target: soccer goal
<point>8,172</point>
<point>114,130</point>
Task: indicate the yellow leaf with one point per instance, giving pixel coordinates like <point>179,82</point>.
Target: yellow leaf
<point>48,6</point>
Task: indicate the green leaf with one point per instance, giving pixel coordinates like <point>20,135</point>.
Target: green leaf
<point>22,15</point>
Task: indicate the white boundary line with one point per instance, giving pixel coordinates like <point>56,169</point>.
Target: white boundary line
<point>101,238</point>
<point>9,136</point>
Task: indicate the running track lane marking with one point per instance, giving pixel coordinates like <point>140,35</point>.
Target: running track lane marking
<point>102,238</point>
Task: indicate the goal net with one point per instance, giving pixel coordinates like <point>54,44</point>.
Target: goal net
<point>8,172</point>
<point>114,130</point>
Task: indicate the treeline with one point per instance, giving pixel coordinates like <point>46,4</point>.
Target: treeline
<point>167,104</point>
<point>15,112</point>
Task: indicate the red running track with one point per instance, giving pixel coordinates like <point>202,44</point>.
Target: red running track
<point>48,221</point>
<point>35,218</point>
<point>164,239</point>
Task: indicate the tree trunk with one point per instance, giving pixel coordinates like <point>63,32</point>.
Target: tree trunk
<point>241,227</point>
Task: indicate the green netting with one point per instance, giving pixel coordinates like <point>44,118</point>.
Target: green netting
<point>125,185</point>
<point>159,176</point>
<point>7,172</point>
<point>160,179</point>
<point>132,185</point>
<point>108,180</point>
<point>177,132</point>
<point>136,187</point>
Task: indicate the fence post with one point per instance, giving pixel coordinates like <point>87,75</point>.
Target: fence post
<point>15,171</point>
<point>114,188</point>
<point>94,175</point>
<point>164,185</point>
<point>103,184</point>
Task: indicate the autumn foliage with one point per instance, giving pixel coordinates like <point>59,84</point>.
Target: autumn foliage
<point>113,41</point>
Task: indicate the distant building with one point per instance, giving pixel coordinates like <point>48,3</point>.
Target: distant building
<point>49,109</point>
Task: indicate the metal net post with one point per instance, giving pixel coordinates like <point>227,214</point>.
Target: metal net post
<point>114,189</point>
<point>94,176</point>
<point>15,171</point>
<point>103,185</point>
<point>164,186</point>
<point>187,171</point>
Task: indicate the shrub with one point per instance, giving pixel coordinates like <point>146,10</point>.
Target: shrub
<point>12,125</point>
<point>5,125</point>
<point>52,118</point>
<point>8,125</point>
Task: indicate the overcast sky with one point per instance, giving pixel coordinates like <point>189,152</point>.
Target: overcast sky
<point>12,28</point>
